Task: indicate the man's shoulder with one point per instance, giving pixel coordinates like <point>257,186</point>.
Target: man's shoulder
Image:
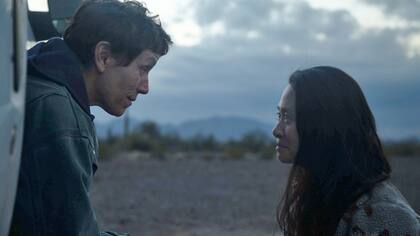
<point>48,100</point>
<point>39,88</point>
<point>51,110</point>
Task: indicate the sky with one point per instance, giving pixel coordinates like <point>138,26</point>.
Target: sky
<point>234,57</point>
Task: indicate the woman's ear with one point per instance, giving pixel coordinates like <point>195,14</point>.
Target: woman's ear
<point>102,56</point>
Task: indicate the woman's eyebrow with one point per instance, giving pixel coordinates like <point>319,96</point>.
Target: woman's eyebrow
<point>283,109</point>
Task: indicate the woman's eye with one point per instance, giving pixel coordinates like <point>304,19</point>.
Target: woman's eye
<point>283,117</point>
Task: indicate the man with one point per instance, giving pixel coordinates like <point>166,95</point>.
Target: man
<point>103,59</point>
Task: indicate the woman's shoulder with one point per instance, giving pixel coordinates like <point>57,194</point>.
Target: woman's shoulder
<point>381,211</point>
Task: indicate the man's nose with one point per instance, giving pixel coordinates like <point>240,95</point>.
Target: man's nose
<point>143,86</point>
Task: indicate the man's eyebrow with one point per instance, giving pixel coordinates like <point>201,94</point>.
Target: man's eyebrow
<point>151,62</point>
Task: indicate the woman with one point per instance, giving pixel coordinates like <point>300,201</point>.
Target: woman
<point>338,184</point>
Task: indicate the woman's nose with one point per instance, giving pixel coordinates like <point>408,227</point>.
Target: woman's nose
<point>277,130</point>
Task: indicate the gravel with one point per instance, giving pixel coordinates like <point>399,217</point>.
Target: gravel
<point>188,197</point>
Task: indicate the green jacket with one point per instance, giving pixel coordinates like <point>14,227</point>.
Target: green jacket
<point>59,156</point>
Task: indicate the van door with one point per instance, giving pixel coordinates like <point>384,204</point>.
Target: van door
<point>13,20</point>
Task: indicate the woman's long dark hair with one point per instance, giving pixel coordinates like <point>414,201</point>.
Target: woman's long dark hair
<point>340,155</point>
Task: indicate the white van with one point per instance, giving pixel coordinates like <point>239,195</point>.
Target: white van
<point>19,27</point>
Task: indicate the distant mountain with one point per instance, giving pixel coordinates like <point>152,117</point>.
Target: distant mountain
<point>222,128</point>
<point>114,127</point>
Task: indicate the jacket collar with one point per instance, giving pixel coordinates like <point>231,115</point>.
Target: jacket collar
<point>53,60</point>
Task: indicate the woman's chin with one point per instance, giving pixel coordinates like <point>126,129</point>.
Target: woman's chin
<point>284,158</point>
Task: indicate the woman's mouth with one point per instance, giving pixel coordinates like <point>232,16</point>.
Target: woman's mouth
<point>281,146</point>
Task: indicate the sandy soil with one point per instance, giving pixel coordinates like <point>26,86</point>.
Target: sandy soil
<point>203,198</point>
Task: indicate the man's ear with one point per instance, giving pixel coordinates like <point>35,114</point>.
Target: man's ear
<point>103,57</point>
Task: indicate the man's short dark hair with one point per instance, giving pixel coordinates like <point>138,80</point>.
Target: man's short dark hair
<point>127,26</point>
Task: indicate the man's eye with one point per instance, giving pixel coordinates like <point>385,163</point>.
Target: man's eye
<point>144,69</point>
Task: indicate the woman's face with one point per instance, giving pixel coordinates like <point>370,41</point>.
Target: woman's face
<point>285,131</point>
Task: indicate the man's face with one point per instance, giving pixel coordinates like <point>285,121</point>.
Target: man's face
<point>119,85</point>
<point>285,131</point>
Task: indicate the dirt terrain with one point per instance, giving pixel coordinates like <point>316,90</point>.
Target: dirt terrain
<point>188,197</point>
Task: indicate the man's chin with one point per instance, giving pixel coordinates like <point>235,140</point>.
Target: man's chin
<point>115,112</point>
<point>119,113</point>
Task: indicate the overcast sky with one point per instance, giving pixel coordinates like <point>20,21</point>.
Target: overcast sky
<point>233,57</point>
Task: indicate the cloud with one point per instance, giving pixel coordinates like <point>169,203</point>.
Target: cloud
<point>289,35</point>
<point>296,28</point>
<point>406,9</point>
<point>235,13</point>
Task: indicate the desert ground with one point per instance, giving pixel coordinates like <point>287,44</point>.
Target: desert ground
<point>197,197</point>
